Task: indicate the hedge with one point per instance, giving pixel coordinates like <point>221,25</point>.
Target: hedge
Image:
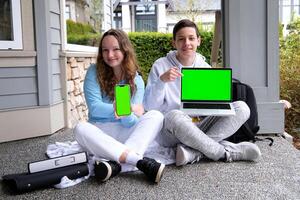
<point>290,76</point>
<point>150,46</point>
<point>82,34</point>
<point>78,28</point>
<point>86,39</point>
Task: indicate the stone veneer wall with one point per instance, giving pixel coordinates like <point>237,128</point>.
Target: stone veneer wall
<point>76,68</point>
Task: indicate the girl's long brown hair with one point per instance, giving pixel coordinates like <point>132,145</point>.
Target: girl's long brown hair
<point>105,74</point>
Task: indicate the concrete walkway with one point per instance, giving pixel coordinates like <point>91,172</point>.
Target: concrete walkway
<point>275,176</point>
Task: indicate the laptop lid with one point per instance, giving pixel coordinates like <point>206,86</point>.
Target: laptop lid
<point>206,85</point>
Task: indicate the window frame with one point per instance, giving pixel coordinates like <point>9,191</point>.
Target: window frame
<point>17,42</point>
<point>67,46</point>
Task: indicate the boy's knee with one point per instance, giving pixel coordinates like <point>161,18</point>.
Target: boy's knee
<point>242,110</point>
<point>174,118</point>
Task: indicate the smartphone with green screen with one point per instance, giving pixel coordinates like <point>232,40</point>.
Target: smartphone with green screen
<point>122,99</point>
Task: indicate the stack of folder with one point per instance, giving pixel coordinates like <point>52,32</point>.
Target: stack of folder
<point>45,173</point>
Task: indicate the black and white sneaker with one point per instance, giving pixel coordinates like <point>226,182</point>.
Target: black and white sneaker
<point>152,169</point>
<point>106,169</point>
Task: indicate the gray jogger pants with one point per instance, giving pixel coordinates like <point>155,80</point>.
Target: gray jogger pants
<point>205,136</point>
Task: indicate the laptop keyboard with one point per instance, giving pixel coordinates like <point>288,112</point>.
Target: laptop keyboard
<point>202,105</point>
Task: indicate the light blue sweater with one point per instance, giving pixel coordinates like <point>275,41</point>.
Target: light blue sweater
<point>100,107</point>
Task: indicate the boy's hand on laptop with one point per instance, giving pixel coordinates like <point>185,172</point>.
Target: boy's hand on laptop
<point>170,75</point>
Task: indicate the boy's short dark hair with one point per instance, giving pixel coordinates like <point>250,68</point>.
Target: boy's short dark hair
<point>185,23</point>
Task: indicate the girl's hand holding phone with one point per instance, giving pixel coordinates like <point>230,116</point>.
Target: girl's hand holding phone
<point>116,115</point>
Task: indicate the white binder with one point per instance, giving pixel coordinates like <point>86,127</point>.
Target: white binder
<point>57,162</point>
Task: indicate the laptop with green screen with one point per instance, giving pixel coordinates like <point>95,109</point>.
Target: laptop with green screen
<point>206,91</point>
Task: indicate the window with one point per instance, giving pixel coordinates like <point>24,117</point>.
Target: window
<point>297,7</point>
<point>87,12</point>
<point>146,19</point>
<point>117,22</point>
<point>67,13</point>
<point>10,25</point>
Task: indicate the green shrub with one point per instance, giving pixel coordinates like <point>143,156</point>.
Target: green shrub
<point>150,46</point>
<point>205,46</point>
<point>290,76</point>
<point>86,39</point>
<point>82,34</point>
<point>79,28</point>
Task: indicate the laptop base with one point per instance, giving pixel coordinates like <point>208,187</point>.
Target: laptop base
<point>218,110</point>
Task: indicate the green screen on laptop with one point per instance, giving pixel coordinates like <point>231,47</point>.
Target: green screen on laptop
<point>206,84</point>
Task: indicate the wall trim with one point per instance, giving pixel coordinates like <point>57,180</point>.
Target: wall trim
<point>17,58</point>
<point>13,54</point>
<point>78,54</point>
<point>33,122</point>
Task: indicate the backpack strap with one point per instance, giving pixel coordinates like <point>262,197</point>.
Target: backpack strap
<point>251,134</point>
<point>263,139</point>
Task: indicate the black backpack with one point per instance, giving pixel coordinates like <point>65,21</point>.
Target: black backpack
<point>248,131</point>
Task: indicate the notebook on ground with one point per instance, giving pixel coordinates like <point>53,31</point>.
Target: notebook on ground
<point>206,91</point>
<point>61,161</point>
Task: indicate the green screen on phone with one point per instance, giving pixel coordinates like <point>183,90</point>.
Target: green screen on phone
<point>122,99</point>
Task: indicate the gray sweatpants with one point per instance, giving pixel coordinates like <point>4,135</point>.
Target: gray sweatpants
<point>206,135</point>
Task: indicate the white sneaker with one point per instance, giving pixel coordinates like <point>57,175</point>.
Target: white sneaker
<point>185,155</point>
<point>241,151</point>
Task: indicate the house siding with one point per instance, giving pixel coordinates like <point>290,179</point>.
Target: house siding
<point>55,43</point>
<point>31,79</point>
<point>18,85</point>
<point>49,45</point>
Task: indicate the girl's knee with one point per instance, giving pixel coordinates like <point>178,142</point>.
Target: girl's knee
<point>80,128</point>
<point>174,114</point>
<point>155,114</point>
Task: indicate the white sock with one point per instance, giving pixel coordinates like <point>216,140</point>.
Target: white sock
<point>133,158</point>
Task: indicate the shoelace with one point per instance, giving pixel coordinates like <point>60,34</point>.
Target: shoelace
<point>197,159</point>
<point>228,157</point>
<point>231,156</point>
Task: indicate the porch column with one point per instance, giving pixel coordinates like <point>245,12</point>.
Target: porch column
<point>161,18</point>
<point>251,49</point>
<point>126,25</point>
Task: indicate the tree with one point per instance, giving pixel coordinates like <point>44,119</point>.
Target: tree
<point>96,9</point>
<point>190,9</point>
